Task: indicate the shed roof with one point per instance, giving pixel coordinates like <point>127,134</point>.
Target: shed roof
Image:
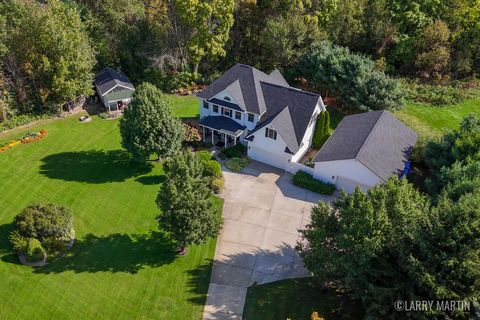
<point>109,78</point>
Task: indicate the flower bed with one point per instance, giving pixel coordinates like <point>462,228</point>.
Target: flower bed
<point>28,138</point>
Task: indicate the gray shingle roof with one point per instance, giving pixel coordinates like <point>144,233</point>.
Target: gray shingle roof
<point>243,82</point>
<point>292,122</point>
<point>108,78</point>
<point>376,139</point>
<point>227,104</point>
<point>223,124</point>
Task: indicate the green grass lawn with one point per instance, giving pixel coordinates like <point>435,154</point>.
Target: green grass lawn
<point>185,106</point>
<point>432,120</point>
<point>121,266</point>
<point>296,299</point>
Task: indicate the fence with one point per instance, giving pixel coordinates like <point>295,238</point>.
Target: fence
<point>293,167</point>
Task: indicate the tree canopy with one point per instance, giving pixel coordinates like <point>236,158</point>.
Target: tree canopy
<point>148,126</point>
<point>350,77</point>
<point>187,210</point>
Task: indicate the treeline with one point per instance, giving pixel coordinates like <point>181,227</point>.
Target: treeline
<point>50,49</point>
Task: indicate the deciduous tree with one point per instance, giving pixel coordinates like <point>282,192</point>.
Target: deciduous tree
<point>148,126</point>
<point>187,210</point>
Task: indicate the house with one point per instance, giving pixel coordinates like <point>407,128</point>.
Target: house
<point>114,89</point>
<point>365,150</point>
<point>262,111</point>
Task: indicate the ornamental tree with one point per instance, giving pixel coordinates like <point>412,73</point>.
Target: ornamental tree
<point>148,126</point>
<point>187,210</point>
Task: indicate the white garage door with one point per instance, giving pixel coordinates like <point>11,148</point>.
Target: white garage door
<point>349,185</point>
<point>267,157</point>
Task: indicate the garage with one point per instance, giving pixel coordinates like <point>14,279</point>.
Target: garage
<point>267,157</point>
<point>350,185</point>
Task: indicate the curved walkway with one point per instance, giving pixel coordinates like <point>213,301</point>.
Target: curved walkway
<point>262,213</point>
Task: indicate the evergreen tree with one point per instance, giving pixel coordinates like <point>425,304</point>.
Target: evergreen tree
<point>148,126</point>
<point>187,210</point>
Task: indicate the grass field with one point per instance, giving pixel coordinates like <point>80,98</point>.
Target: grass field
<point>427,119</point>
<point>296,299</point>
<point>121,266</point>
<point>185,106</point>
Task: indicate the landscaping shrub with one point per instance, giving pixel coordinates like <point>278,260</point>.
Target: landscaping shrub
<point>45,221</point>
<point>236,151</point>
<point>212,168</point>
<point>237,164</point>
<point>322,130</point>
<point>34,251</point>
<point>19,242</point>
<point>307,181</point>
<point>217,185</point>
<point>21,120</point>
<point>204,155</point>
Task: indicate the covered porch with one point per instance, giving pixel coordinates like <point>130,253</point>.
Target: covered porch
<point>221,131</point>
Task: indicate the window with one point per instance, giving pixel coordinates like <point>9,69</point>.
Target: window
<point>227,112</point>
<point>215,108</point>
<point>205,104</point>
<point>270,133</point>
<point>238,115</point>
<point>226,98</point>
<point>251,117</point>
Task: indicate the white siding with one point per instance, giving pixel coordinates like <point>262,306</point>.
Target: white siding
<point>345,174</point>
<point>307,138</point>
<point>267,150</point>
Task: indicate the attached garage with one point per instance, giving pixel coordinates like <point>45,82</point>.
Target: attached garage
<point>365,150</point>
<point>350,185</point>
<point>267,157</point>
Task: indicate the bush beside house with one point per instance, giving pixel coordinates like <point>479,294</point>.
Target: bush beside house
<point>307,181</point>
<point>322,130</point>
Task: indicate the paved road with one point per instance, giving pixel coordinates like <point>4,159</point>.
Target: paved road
<point>262,213</point>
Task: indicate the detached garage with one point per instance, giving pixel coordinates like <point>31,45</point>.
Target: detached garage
<point>114,89</point>
<point>365,150</point>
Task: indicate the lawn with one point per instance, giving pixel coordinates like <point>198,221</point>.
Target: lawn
<point>185,106</point>
<point>121,266</point>
<point>427,119</point>
<point>296,299</point>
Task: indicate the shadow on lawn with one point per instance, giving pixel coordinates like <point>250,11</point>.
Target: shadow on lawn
<point>115,253</point>
<point>6,252</point>
<point>94,166</point>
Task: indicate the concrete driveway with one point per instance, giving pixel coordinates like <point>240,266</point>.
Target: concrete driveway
<point>262,213</point>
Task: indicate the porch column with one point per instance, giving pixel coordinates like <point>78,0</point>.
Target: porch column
<point>203,133</point>
<point>109,110</point>
<point>213,142</point>
<point>234,141</point>
<point>226,137</point>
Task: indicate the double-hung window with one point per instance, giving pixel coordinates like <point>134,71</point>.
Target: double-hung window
<point>215,108</point>
<point>251,117</point>
<point>238,115</point>
<point>205,104</point>
<point>270,133</point>
<point>227,112</point>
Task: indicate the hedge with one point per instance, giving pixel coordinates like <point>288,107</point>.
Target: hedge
<point>307,181</point>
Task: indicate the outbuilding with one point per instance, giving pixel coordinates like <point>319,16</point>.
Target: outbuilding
<point>114,89</point>
<point>365,150</point>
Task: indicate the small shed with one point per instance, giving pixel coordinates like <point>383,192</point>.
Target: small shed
<point>114,89</point>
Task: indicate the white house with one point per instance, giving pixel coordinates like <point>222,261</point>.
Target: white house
<point>247,106</point>
<point>114,89</point>
<point>365,150</point>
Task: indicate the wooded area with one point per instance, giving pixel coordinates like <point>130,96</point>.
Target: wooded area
<point>50,50</point>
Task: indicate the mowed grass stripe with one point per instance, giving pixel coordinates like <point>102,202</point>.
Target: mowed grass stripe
<point>115,270</point>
